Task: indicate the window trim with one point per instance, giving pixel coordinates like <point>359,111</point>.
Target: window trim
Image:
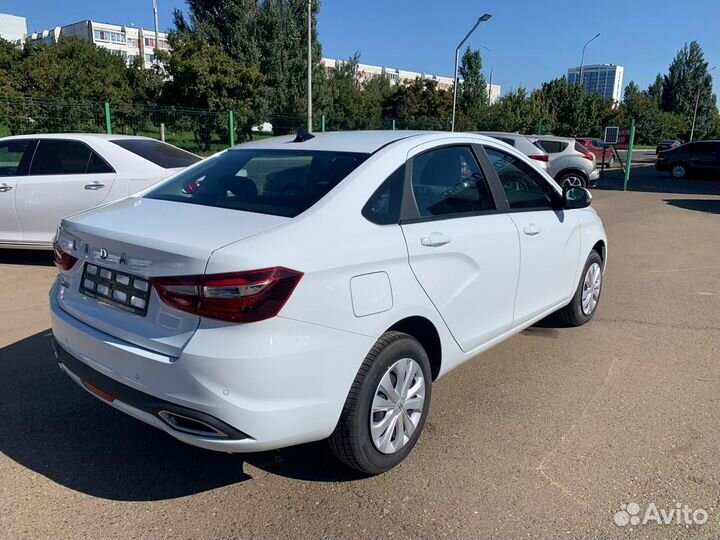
<point>364,209</point>
<point>557,207</point>
<point>92,150</point>
<point>409,212</point>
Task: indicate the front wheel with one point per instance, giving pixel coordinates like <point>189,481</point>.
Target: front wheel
<point>587,295</point>
<point>572,179</point>
<point>386,408</point>
<point>679,171</point>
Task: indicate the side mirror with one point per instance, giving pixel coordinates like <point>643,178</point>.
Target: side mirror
<point>576,197</point>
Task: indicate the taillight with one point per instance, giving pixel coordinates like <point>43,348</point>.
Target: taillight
<point>63,260</point>
<point>661,156</point>
<point>243,297</point>
<point>540,157</point>
<point>589,156</point>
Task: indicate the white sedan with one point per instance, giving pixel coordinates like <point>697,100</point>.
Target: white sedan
<point>46,177</point>
<point>291,290</point>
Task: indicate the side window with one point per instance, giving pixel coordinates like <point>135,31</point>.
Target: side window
<point>383,208</point>
<point>98,165</point>
<point>552,147</point>
<point>524,187</point>
<point>449,181</point>
<point>11,157</point>
<point>60,157</point>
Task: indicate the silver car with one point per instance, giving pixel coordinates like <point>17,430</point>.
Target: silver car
<point>524,144</point>
<point>571,164</point>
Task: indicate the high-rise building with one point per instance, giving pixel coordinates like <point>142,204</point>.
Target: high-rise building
<point>603,79</point>
<point>125,41</point>
<point>12,27</point>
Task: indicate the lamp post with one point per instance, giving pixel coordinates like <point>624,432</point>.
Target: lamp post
<point>309,72</point>
<point>157,32</point>
<point>697,102</point>
<point>457,55</point>
<point>582,58</point>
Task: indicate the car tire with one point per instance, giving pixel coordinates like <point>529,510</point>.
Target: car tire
<point>572,179</point>
<point>680,170</point>
<point>579,311</point>
<point>353,441</point>
<point>611,163</point>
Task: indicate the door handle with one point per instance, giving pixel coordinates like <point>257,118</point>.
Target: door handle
<point>531,229</point>
<point>4,188</point>
<point>94,186</point>
<point>435,239</point>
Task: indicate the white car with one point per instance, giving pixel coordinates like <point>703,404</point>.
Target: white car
<point>291,290</point>
<point>525,144</point>
<point>570,163</point>
<point>46,177</point>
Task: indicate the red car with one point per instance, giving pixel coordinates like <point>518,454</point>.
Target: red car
<point>596,147</point>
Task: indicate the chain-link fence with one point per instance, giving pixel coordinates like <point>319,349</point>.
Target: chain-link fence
<point>199,131</point>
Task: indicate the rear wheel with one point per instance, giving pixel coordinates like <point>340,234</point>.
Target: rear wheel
<point>611,163</point>
<point>587,295</point>
<point>386,408</point>
<point>572,179</point>
<point>679,171</point>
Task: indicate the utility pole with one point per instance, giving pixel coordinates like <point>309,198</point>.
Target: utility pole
<point>157,32</point>
<point>457,60</point>
<point>309,73</point>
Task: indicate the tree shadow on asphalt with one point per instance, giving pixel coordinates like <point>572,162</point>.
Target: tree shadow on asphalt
<point>647,179</point>
<point>711,206</point>
<point>26,257</point>
<point>54,428</point>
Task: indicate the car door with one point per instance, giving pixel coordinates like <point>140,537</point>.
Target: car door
<point>15,156</point>
<point>65,177</point>
<point>463,249</point>
<point>549,236</point>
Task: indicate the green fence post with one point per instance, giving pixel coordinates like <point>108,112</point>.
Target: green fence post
<point>322,123</point>
<point>628,161</point>
<point>393,124</point>
<point>232,129</point>
<point>108,121</point>
<point>539,128</point>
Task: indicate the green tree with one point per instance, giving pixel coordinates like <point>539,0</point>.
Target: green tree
<point>688,80</point>
<point>472,93</point>
<point>655,90</point>
<point>631,91</point>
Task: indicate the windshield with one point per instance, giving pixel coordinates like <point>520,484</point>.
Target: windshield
<point>276,182</point>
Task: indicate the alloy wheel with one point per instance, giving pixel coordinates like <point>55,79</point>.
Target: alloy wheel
<point>591,288</point>
<point>573,181</point>
<point>678,171</point>
<point>397,406</point>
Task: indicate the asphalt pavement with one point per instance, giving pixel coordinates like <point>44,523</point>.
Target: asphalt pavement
<point>547,435</point>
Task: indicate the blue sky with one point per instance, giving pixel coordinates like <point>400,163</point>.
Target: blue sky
<point>531,41</point>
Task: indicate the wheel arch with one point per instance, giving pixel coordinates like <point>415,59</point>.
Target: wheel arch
<point>425,332</point>
<point>567,170</point>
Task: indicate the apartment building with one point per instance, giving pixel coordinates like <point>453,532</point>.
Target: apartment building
<point>127,42</point>
<point>12,27</point>
<point>402,76</point>
<point>603,79</point>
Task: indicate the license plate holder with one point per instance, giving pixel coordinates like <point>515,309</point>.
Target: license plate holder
<point>116,288</point>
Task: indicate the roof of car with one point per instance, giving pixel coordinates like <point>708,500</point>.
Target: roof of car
<point>77,136</point>
<point>341,141</point>
<point>554,138</point>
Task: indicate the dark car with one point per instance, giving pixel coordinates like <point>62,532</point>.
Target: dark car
<point>667,145</point>
<point>599,148</point>
<point>700,156</point>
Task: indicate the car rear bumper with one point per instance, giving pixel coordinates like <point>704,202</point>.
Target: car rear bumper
<point>662,166</point>
<point>593,178</point>
<point>234,388</point>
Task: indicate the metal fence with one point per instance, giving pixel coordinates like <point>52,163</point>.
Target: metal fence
<point>197,130</point>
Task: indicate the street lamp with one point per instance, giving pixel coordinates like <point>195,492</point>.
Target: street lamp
<point>697,101</point>
<point>457,58</point>
<point>582,58</point>
<point>309,68</point>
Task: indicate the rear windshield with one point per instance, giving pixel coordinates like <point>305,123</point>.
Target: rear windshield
<point>161,154</point>
<point>275,182</point>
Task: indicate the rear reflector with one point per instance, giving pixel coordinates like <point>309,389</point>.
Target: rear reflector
<point>62,259</point>
<point>102,394</point>
<point>243,297</point>
<point>540,157</point>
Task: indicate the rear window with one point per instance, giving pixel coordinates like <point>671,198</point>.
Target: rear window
<point>552,147</point>
<point>580,148</point>
<point>511,142</point>
<point>161,154</point>
<point>276,182</point>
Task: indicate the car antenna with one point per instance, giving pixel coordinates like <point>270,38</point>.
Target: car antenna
<point>303,136</point>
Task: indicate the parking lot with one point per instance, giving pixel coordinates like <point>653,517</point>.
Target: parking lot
<point>545,435</point>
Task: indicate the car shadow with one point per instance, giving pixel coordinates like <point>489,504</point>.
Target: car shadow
<point>711,206</point>
<point>647,179</point>
<point>54,428</point>
<point>28,257</point>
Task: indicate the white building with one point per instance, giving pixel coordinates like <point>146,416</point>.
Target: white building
<point>401,76</point>
<point>125,41</point>
<point>12,28</point>
<point>603,79</point>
